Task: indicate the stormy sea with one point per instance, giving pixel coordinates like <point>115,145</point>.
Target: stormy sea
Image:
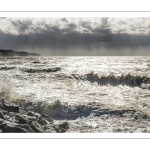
<point>91,94</point>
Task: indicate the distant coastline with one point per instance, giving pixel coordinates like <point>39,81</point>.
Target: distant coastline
<point>10,52</point>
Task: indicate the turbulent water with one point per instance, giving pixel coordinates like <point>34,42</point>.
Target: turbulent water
<point>94,94</point>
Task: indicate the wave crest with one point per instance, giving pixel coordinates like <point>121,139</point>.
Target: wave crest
<point>123,79</point>
<point>128,79</point>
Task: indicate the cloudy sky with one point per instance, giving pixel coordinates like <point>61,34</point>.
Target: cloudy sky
<point>77,36</point>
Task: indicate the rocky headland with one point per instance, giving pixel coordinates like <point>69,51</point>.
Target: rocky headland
<point>9,52</point>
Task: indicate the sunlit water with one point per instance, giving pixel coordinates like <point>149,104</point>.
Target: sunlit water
<point>87,91</point>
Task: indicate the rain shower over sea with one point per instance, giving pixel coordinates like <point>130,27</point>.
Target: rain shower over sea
<point>92,94</point>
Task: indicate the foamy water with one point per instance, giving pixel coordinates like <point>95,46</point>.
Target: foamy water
<point>88,92</point>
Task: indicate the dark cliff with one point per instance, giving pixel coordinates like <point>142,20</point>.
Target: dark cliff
<point>9,52</point>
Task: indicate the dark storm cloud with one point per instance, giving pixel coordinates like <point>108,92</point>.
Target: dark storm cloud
<point>101,31</point>
<point>56,40</point>
<point>127,41</point>
<point>48,39</point>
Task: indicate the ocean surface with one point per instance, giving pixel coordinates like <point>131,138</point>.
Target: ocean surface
<point>94,94</point>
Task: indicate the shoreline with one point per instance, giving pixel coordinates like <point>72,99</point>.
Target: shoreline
<point>15,119</point>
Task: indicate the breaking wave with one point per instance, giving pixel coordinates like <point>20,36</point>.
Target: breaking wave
<point>129,80</point>
<point>59,111</point>
<point>6,90</point>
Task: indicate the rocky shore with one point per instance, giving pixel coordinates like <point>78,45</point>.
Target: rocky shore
<point>15,119</point>
<point>22,117</point>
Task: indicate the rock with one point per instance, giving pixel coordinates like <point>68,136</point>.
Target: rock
<point>31,118</point>
<point>1,115</point>
<point>1,121</point>
<point>19,120</point>
<point>26,127</point>
<point>3,125</point>
<point>11,108</point>
<point>22,111</point>
<point>37,115</point>
<point>63,127</point>
<point>5,112</point>
<point>13,129</point>
<point>36,127</point>
<point>1,106</point>
<point>43,122</point>
<point>50,131</point>
<point>46,117</point>
<point>22,119</point>
<point>30,113</point>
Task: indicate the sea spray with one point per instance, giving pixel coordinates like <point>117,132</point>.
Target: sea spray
<point>6,89</point>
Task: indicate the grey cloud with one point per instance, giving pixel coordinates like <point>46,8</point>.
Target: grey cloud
<point>2,17</point>
<point>142,30</point>
<point>133,29</point>
<point>85,25</point>
<point>24,27</point>
<point>21,26</point>
<point>98,30</point>
<point>104,22</point>
<point>72,26</point>
<point>64,19</point>
<point>122,22</point>
<point>121,31</point>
